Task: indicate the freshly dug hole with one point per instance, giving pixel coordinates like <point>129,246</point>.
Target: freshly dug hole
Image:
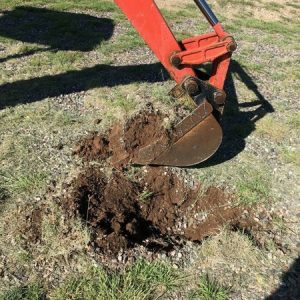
<point>110,208</point>
<point>156,205</point>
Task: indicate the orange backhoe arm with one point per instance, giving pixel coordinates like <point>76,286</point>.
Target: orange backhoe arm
<point>179,57</point>
<point>198,136</point>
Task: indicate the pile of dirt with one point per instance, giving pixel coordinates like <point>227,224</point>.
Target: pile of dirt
<point>110,208</point>
<point>122,142</point>
<point>146,210</point>
<point>94,147</point>
<point>156,207</point>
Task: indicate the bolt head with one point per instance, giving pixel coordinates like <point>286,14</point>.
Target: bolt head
<point>219,98</point>
<point>232,46</point>
<point>175,61</point>
<point>191,86</point>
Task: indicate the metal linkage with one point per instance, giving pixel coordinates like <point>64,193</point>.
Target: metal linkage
<point>181,57</point>
<point>198,135</point>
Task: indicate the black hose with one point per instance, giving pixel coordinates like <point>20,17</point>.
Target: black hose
<point>206,10</point>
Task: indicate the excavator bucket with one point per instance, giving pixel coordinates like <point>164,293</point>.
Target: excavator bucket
<point>192,147</point>
<point>198,136</point>
<point>196,146</point>
<point>193,140</point>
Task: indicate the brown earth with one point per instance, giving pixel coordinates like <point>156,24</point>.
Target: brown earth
<point>153,209</point>
<point>122,142</point>
<point>96,147</point>
<point>31,227</point>
<point>156,208</point>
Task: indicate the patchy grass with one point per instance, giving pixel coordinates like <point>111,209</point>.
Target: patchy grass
<point>270,27</point>
<point>290,155</point>
<point>28,292</point>
<point>145,195</point>
<point>23,183</point>
<point>125,42</point>
<point>253,187</point>
<point>209,289</point>
<point>272,129</point>
<point>249,179</point>
<point>117,103</point>
<point>161,93</point>
<point>228,252</point>
<point>53,228</point>
<point>294,5</point>
<point>140,281</point>
<point>294,121</point>
<point>102,5</point>
<point>68,80</point>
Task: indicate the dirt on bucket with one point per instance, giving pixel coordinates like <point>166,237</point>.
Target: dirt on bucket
<point>155,205</point>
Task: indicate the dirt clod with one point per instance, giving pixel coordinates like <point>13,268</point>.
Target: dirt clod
<point>94,147</point>
<point>32,229</point>
<point>155,207</point>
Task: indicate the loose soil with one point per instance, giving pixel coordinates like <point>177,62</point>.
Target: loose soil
<point>122,142</point>
<point>153,209</point>
<point>31,228</point>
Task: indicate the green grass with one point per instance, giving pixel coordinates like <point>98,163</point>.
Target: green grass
<point>247,177</point>
<point>290,155</point>
<point>128,40</point>
<point>271,27</point>
<point>280,223</point>
<point>23,183</point>
<point>28,292</point>
<point>209,289</point>
<point>273,129</point>
<point>236,2</point>
<point>127,104</point>
<point>294,5</point>
<point>60,61</point>
<point>273,6</point>
<point>122,100</point>
<point>294,121</point>
<point>23,151</point>
<point>140,281</point>
<point>145,195</point>
<point>160,92</point>
<point>107,6</point>
<point>253,186</point>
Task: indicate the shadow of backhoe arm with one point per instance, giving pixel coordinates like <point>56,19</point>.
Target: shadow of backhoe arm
<point>30,90</point>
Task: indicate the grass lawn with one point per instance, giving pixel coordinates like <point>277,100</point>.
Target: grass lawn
<point>71,67</point>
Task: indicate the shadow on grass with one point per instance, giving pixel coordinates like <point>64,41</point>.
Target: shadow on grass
<point>79,32</point>
<point>290,285</point>
<point>64,31</point>
<point>27,91</point>
<point>238,124</point>
<point>57,30</point>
